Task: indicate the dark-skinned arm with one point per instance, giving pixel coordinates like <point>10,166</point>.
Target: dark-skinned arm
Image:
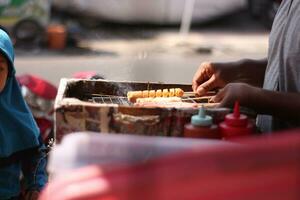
<point>253,71</point>
<point>279,104</point>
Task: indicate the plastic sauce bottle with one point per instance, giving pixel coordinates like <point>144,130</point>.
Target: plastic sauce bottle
<point>201,126</point>
<point>236,124</point>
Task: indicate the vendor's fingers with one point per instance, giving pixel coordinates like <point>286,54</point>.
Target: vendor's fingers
<point>197,80</point>
<point>195,84</point>
<point>225,102</point>
<point>218,97</point>
<point>203,73</point>
<point>206,86</point>
<point>211,100</point>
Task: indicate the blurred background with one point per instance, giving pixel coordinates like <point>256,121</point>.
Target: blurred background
<point>135,40</point>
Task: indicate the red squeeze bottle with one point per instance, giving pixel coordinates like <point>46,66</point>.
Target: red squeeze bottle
<point>236,124</point>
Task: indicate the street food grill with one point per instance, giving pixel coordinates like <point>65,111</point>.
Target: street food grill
<point>173,97</point>
<point>161,102</point>
<point>104,106</point>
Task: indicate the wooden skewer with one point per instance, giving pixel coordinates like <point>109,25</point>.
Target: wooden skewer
<point>107,95</point>
<point>210,93</point>
<point>198,98</point>
<point>210,105</point>
<point>189,94</point>
<point>188,99</point>
<point>185,94</point>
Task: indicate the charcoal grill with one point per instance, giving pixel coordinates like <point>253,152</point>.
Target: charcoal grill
<point>102,106</point>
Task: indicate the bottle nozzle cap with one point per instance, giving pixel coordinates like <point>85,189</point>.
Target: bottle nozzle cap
<point>236,119</point>
<point>236,110</point>
<point>201,119</point>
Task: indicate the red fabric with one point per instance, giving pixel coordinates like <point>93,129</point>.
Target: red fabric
<point>260,169</point>
<point>84,74</point>
<point>38,86</point>
<point>45,126</point>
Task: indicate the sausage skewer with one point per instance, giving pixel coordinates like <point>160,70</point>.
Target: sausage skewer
<point>158,100</point>
<point>169,99</point>
<point>173,92</point>
<point>168,102</point>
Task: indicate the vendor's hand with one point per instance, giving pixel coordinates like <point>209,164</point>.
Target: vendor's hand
<point>232,92</point>
<point>216,75</point>
<point>31,195</point>
<point>210,76</point>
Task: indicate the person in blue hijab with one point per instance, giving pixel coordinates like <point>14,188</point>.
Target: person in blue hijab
<point>22,152</point>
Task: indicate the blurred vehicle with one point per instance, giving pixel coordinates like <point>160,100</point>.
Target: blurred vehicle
<point>265,10</point>
<point>25,19</point>
<point>40,96</point>
<point>147,11</point>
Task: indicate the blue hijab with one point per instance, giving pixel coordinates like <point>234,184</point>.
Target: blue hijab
<point>18,130</point>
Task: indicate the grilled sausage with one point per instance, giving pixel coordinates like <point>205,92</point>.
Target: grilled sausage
<point>173,92</point>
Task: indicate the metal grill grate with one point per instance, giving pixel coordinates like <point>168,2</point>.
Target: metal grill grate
<point>107,99</point>
<point>111,100</point>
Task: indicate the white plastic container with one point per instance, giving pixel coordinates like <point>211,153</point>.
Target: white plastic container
<point>109,150</point>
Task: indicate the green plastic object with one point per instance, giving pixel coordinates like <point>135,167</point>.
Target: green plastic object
<point>13,12</point>
<point>201,119</point>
